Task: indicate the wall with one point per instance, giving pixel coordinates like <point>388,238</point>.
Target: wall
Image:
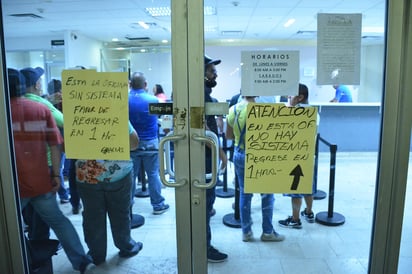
<point>81,50</point>
<point>157,68</point>
<point>32,43</point>
<point>369,90</point>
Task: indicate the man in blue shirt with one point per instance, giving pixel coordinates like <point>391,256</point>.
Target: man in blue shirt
<point>342,94</point>
<point>146,127</point>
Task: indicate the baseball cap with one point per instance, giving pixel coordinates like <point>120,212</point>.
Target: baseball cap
<point>17,83</point>
<point>32,75</point>
<point>209,60</point>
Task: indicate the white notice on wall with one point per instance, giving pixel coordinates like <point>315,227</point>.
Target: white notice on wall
<point>339,40</point>
<point>270,73</point>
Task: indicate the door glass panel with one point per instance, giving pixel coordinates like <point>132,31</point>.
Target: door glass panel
<point>139,42</point>
<point>230,27</point>
<point>341,241</point>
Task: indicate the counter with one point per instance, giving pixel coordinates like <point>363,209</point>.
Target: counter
<point>351,126</point>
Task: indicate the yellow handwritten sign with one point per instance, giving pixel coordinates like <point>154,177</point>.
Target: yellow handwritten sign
<point>280,147</point>
<point>95,108</point>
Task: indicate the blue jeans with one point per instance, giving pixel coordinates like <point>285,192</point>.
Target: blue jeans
<point>74,195</point>
<point>37,228</point>
<point>46,206</point>
<point>147,153</point>
<point>63,192</point>
<point>102,200</point>
<point>268,200</point>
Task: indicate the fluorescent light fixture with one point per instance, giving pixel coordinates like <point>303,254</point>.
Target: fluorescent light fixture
<point>164,41</point>
<point>231,33</point>
<point>166,11</point>
<point>209,10</point>
<point>143,25</point>
<point>159,11</point>
<point>115,39</point>
<point>289,22</point>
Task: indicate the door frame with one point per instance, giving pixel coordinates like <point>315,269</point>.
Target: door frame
<point>12,257</point>
<point>188,98</point>
<point>395,141</point>
<point>187,67</point>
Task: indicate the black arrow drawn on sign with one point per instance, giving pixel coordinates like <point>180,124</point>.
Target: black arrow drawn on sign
<point>296,173</point>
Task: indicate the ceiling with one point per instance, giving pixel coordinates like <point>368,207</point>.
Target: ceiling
<point>231,21</point>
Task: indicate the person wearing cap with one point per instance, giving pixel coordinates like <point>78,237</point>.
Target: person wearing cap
<point>34,129</point>
<point>213,255</point>
<point>33,92</point>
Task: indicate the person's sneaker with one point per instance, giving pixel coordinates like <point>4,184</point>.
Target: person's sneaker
<point>76,209</point>
<point>272,237</point>
<point>215,256</point>
<point>309,217</point>
<point>161,210</point>
<point>64,201</point>
<point>289,222</point>
<point>130,253</point>
<point>248,237</point>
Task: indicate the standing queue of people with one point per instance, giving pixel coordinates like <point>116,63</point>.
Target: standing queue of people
<point>107,188</point>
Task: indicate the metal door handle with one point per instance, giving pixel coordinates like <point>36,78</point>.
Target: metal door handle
<point>169,160</point>
<point>215,154</point>
<point>171,138</point>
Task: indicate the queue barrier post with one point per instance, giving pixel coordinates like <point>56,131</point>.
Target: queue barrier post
<point>233,219</point>
<point>330,218</point>
<point>142,192</point>
<point>319,194</point>
<point>224,192</point>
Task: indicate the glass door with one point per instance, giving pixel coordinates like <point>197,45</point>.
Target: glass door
<point>372,135</point>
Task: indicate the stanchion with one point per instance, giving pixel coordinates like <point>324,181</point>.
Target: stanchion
<point>224,192</point>
<point>330,218</point>
<point>142,192</point>
<point>136,220</point>
<point>233,219</point>
<point>319,194</point>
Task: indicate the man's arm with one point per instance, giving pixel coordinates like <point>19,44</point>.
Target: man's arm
<point>55,152</point>
<point>134,140</point>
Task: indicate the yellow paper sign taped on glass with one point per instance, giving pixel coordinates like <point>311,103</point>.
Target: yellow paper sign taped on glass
<point>95,107</point>
<point>280,148</point>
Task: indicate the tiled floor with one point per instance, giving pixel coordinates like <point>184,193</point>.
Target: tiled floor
<point>315,248</point>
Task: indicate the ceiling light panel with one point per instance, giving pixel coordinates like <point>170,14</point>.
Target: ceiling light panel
<point>166,11</point>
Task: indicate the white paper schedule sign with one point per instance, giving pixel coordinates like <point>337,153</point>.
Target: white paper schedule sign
<point>339,41</point>
<point>270,73</point>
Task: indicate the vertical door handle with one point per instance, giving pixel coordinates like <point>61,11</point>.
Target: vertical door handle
<point>171,138</point>
<point>213,142</point>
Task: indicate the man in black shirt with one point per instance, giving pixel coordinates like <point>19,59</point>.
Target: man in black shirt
<point>213,255</point>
